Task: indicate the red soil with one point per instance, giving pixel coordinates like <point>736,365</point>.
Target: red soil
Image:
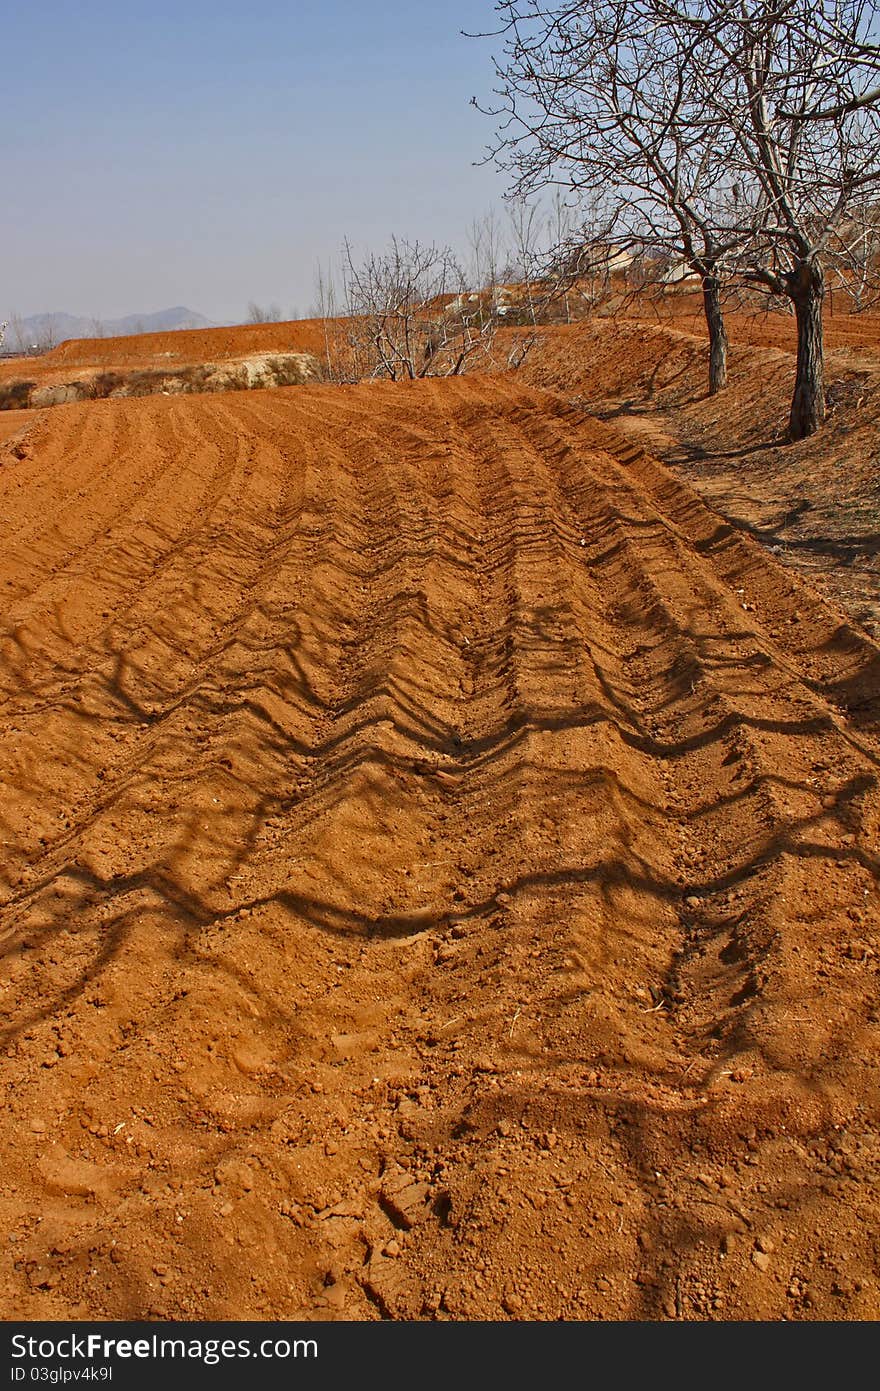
<point>440,874</point>
<point>166,350</point>
<point>757,327</point>
<point>815,504</point>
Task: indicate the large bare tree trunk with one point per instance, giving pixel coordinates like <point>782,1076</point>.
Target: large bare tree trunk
<point>717,333</point>
<point>806,286</point>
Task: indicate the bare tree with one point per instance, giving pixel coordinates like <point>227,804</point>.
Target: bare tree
<point>527,228</point>
<point>47,334</point>
<point>487,251</point>
<point>259,314</point>
<point>855,259</point>
<point>566,229</point>
<point>17,334</point>
<point>797,84</point>
<point>583,257</point>
<point>326,308</point>
<point>410,313</point>
<point>553,259</point>
<point>601,99</point>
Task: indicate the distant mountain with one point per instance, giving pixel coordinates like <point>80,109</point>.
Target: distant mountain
<point>45,330</point>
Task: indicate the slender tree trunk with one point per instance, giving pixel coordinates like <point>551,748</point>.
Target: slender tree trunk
<point>806,286</point>
<point>717,333</point>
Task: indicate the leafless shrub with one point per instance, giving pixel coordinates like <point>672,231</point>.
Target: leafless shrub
<point>33,341</point>
<point>47,334</point>
<point>408,313</point>
<point>104,384</point>
<point>268,314</point>
<point>15,396</point>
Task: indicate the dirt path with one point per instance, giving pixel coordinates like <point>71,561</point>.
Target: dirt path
<point>440,876</point>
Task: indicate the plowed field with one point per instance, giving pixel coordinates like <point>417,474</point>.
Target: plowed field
<point>440,875</point>
<point>168,350</point>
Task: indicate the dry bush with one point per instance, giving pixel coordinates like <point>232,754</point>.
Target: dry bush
<point>406,313</point>
<point>15,396</point>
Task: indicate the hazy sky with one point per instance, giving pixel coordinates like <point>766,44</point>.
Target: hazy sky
<point>209,154</point>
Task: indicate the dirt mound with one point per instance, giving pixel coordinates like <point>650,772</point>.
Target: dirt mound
<point>191,345</point>
<point>815,504</point>
<point>756,326</point>
<point>14,422</point>
<point>440,875</point>
<point>165,352</point>
<point>259,371</point>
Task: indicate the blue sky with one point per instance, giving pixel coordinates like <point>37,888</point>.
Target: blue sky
<point>211,154</point>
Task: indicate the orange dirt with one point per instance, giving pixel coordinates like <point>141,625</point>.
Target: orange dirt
<point>815,505</point>
<point>751,325</point>
<point>146,351</point>
<point>440,877</point>
<point>12,422</point>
